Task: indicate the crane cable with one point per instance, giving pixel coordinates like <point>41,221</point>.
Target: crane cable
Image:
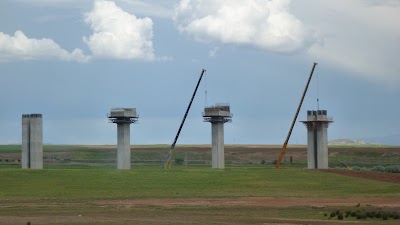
<point>205,90</point>
<point>317,91</point>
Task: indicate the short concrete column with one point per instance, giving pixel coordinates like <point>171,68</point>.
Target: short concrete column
<point>124,146</point>
<point>217,115</point>
<point>217,147</point>
<point>123,117</point>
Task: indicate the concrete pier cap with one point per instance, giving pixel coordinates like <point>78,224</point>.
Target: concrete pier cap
<point>123,117</point>
<point>218,111</point>
<point>217,115</point>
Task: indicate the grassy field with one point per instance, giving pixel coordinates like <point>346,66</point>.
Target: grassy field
<point>61,195</point>
<point>80,185</point>
<point>79,156</point>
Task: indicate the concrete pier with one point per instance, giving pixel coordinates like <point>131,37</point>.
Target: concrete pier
<point>32,141</point>
<point>217,115</point>
<point>317,141</point>
<point>123,117</point>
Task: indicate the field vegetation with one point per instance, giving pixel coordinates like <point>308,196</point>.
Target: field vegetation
<point>80,185</point>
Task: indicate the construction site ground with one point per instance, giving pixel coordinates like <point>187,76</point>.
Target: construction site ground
<point>310,208</point>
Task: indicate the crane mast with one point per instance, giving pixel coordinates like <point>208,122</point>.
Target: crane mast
<point>283,151</point>
<point>167,163</point>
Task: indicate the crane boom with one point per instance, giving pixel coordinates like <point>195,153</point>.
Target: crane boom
<point>171,149</point>
<point>283,151</point>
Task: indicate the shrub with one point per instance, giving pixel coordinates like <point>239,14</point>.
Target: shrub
<point>262,162</point>
<point>372,214</point>
<point>179,161</point>
<point>363,216</point>
<point>340,216</point>
<point>333,214</point>
<point>384,216</point>
<point>378,168</point>
<point>392,169</point>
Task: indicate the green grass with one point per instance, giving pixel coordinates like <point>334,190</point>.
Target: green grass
<point>43,195</point>
<point>9,148</point>
<point>83,184</point>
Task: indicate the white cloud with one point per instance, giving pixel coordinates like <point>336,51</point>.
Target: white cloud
<point>58,3</point>
<point>362,37</point>
<point>118,34</point>
<point>265,24</point>
<point>153,8</point>
<point>20,47</point>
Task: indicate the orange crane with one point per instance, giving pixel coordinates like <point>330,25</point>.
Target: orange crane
<point>283,151</point>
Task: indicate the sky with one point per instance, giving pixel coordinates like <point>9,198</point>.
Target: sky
<point>74,60</point>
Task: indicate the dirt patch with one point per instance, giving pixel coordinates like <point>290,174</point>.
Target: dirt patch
<point>380,176</point>
<point>232,211</point>
<point>255,201</point>
<point>248,210</point>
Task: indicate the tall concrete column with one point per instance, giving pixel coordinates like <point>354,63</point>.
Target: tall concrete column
<point>35,142</point>
<point>317,139</point>
<point>123,117</point>
<point>217,147</point>
<point>32,141</point>
<point>217,115</point>
<point>124,146</point>
<point>25,156</point>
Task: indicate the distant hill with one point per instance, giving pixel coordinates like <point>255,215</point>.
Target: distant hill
<point>393,140</point>
<point>348,142</point>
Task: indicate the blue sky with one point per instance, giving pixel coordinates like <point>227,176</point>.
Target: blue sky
<point>74,60</point>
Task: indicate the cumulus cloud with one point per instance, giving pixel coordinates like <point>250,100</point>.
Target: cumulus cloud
<point>153,8</point>
<point>265,24</point>
<point>20,47</point>
<point>118,34</point>
<point>359,36</point>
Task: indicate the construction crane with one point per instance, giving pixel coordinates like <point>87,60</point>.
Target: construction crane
<point>283,151</point>
<point>167,163</point>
